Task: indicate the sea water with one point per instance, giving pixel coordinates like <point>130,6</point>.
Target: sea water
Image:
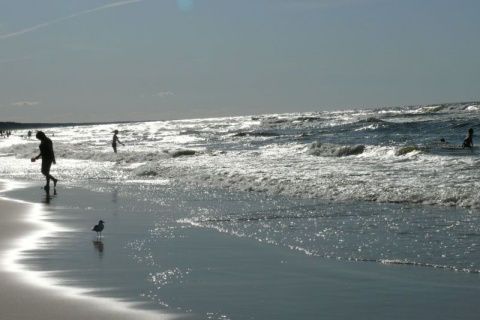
<point>370,186</point>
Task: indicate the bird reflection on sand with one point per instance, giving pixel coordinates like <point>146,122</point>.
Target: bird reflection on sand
<point>98,245</point>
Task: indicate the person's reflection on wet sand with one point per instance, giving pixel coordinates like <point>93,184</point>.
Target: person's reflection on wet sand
<point>115,200</point>
<point>115,195</point>
<point>48,196</point>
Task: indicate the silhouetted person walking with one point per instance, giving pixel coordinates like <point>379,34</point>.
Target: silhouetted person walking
<point>48,157</point>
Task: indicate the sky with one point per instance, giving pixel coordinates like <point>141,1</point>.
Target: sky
<point>129,60</point>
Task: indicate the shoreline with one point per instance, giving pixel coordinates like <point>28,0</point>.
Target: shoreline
<point>27,294</point>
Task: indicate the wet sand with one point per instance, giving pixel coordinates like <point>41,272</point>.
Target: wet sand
<point>22,299</point>
<point>283,279</point>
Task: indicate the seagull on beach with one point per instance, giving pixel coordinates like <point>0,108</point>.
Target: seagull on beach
<point>99,227</point>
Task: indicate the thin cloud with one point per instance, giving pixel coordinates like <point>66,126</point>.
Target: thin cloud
<point>46,24</point>
<point>319,4</point>
<point>163,94</point>
<point>25,103</point>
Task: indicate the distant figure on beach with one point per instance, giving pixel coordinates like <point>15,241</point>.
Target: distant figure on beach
<point>98,228</point>
<point>468,142</point>
<point>29,134</point>
<point>48,157</point>
<point>115,140</point>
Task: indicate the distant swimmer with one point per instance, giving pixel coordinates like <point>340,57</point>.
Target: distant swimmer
<point>98,228</point>
<point>468,142</point>
<point>115,140</point>
<point>48,157</point>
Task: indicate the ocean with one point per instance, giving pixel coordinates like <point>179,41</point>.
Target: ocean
<point>234,217</point>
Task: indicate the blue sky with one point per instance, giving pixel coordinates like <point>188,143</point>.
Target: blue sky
<point>99,60</point>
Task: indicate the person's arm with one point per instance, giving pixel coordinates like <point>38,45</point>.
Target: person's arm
<point>39,155</point>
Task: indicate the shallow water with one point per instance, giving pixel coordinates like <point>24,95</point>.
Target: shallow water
<point>389,155</point>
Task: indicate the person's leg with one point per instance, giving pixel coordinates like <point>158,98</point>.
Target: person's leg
<point>46,171</point>
<point>54,181</point>
<point>50,177</point>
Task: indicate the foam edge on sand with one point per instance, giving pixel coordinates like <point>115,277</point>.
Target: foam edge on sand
<point>30,294</point>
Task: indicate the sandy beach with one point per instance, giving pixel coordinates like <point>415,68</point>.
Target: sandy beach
<point>22,299</point>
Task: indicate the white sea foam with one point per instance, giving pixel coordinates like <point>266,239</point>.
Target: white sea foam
<point>342,156</point>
